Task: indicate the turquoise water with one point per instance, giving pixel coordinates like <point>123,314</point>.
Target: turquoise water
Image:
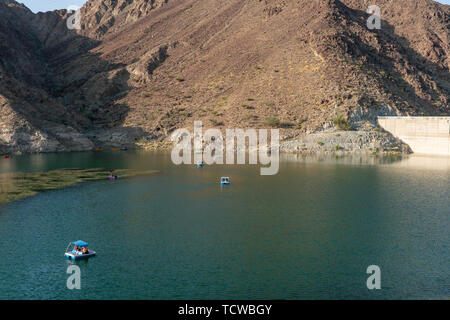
<point>309,232</point>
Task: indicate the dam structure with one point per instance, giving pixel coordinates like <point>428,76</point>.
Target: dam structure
<point>424,135</point>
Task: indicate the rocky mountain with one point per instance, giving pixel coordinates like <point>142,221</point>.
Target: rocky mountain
<point>139,69</point>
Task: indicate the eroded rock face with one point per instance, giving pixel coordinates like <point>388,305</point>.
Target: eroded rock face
<point>139,69</point>
<point>142,70</point>
<point>101,17</point>
<point>274,6</point>
<point>17,134</point>
<point>28,140</point>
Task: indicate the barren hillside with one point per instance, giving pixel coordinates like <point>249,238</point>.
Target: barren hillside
<point>139,69</point>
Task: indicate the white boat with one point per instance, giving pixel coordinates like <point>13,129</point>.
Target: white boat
<point>74,250</point>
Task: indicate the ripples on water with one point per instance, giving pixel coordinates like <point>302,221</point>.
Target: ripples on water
<point>307,233</point>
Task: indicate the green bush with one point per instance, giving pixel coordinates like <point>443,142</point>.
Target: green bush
<point>341,123</point>
<point>216,123</point>
<point>272,122</point>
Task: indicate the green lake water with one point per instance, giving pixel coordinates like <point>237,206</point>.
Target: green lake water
<point>309,232</point>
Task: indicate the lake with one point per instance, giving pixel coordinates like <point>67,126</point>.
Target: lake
<point>309,232</point>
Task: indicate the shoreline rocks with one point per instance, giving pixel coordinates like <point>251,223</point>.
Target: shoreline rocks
<point>69,140</point>
<point>346,142</point>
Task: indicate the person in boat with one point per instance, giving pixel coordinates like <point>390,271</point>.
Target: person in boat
<point>84,250</point>
<point>112,176</point>
<point>200,164</point>
<point>77,250</point>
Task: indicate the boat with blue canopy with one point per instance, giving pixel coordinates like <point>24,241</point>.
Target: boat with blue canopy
<point>200,164</point>
<point>78,250</point>
<point>225,180</point>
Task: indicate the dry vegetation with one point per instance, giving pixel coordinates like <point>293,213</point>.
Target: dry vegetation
<point>19,185</point>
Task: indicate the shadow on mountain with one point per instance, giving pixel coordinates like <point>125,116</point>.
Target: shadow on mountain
<point>80,92</point>
<point>380,60</point>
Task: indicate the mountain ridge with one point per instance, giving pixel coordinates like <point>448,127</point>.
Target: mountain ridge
<point>137,70</point>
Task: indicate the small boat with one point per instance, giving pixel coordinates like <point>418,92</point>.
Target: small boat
<point>124,149</point>
<point>225,180</point>
<point>6,156</point>
<point>115,149</point>
<point>200,164</point>
<point>78,250</point>
<point>99,149</point>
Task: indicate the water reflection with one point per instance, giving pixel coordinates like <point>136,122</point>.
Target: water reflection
<point>425,162</point>
<point>406,161</point>
<point>158,160</point>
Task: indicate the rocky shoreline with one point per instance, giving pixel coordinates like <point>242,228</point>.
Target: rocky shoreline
<point>330,141</point>
<point>338,142</point>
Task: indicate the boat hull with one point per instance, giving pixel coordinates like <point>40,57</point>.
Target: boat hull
<point>71,256</point>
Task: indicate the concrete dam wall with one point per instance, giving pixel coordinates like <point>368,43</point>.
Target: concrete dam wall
<point>426,135</point>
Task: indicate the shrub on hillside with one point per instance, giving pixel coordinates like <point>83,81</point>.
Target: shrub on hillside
<point>272,122</point>
<point>342,123</point>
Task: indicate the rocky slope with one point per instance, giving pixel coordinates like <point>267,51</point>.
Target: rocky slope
<point>139,69</point>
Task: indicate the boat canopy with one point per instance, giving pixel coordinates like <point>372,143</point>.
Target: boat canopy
<point>80,243</point>
<point>225,178</point>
